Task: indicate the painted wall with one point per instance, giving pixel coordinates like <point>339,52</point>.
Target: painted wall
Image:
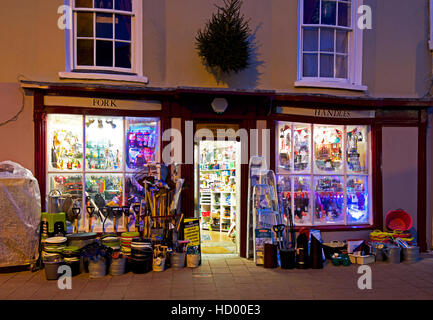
<point>429,222</point>
<point>399,170</point>
<point>396,61</point>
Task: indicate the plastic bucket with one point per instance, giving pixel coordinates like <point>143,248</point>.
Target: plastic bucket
<point>177,260</point>
<point>117,267</point>
<point>158,264</point>
<point>192,260</point>
<point>97,269</point>
<point>51,270</point>
<point>81,240</point>
<point>410,254</point>
<point>288,258</point>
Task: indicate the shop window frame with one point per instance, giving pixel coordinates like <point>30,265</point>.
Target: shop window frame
<point>354,52</point>
<point>83,172</point>
<point>371,170</point>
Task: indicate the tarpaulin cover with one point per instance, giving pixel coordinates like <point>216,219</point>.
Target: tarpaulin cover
<point>20,215</point>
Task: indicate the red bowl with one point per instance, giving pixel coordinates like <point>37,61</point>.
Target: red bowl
<point>398,220</point>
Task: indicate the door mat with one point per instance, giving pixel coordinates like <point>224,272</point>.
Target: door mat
<point>215,250</point>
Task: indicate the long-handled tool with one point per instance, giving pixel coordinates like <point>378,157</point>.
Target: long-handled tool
<point>126,214</point>
<point>91,211</point>
<point>76,213</point>
<point>279,229</point>
<point>136,209</point>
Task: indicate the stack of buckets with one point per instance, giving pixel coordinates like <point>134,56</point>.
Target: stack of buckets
<point>52,256</point>
<point>141,256</point>
<point>118,260</point>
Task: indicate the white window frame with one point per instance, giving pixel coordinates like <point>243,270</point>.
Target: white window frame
<point>135,74</point>
<point>355,41</point>
<point>312,173</point>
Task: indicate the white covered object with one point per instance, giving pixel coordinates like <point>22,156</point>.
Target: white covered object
<point>20,215</point>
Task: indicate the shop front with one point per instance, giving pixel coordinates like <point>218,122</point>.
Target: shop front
<point>326,153</point>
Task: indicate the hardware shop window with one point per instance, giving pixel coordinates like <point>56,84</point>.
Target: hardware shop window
<point>324,172</point>
<point>93,158</point>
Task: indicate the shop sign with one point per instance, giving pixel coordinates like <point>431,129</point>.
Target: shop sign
<point>102,103</point>
<point>327,113</point>
<point>229,130</point>
<point>191,232</point>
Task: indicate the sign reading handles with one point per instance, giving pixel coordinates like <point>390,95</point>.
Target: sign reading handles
<point>327,113</point>
<point>102,103</point>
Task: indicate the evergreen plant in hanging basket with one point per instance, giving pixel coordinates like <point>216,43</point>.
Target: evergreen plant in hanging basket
<point>223,44</point>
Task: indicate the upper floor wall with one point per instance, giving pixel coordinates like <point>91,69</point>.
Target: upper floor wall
<point>396,61</point>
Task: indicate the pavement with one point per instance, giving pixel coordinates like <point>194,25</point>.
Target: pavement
<point>227,277</point>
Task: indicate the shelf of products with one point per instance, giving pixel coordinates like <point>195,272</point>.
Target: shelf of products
<point>218,185</point>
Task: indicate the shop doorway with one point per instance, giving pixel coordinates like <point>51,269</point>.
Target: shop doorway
<point>217,195</point>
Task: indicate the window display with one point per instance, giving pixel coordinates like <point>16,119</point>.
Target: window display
<point>356,149</point>
<point>140,141</point>
<point>328,200</point>
<point>301,146</point>
<point>302,192</point>
<point>104,143</point>
<point>357,200</point>
<point>328,146</point>
<point>285,146</point>
<point>65,142</point>
<point>334,190</point>
<point>114,148</point>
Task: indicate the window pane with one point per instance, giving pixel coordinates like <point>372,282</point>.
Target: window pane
<point>327,65</point>
<point>124,5</point>
<point>357,149</point>
<point>84,24</point>
<point>65,142</point>
<point>104,143</point>
<point>302,134</point>
<point>70,186</point>
<point>104,4</point>
<point>327,40</point>
<point>341,66</point>
<point>123,55</point>
<point>84,3</point>
<point>310,65</point>
<point>284,145</point>
<point>123,27</point>
<point>85,52</point>
<point>284,189</point>
<point>141,141</point>
<point>357,200</point>
<point>104,25</point>
<point>329,13</point>
<point>302,193</point>
<point>311,39</point>
<point>328,145</point>
<point>328,200</point>
<point>344,14</point>
<point>342,41</point>
<point>311,11</point>
<point>104,53</point>
<point>104,190</point>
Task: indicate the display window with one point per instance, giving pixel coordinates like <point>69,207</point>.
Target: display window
<point>92,160</point>
<point>330,185</point>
